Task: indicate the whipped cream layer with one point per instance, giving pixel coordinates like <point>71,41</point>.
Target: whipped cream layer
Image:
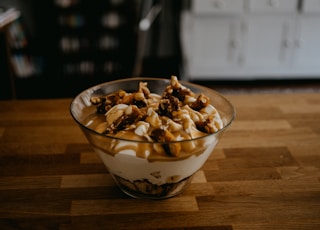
<point>127,165</point>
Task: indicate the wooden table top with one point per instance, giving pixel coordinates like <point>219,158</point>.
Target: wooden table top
<point>263,174</point>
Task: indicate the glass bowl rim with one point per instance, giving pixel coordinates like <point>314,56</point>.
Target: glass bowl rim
<point>184,83</point>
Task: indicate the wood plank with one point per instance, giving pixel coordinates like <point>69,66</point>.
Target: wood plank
<point>261,125</point>
<point>86,181</point>
<point>102,207</point>
<point>35,182</point>
<point>263,174</point>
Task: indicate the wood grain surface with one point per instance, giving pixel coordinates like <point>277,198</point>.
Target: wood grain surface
<point>264,173</point>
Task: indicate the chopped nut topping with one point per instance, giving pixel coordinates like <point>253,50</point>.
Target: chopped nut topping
<point>160,135</point>
<point>201,102</point>
<point>168,105</point>
<point>130,115</point>
<point>177,114</point>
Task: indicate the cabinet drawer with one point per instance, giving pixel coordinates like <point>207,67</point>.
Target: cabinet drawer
<point>217,6</point>
<point>273,5</point>
<point>310,6</point>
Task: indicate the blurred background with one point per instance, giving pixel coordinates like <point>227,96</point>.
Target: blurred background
<point>57,48</point>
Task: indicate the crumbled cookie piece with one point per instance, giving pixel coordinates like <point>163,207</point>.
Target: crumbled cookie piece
<point>144,186</point>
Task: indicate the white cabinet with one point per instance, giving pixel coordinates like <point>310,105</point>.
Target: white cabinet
<point>231,39</point>
<point>310,6</point>
<point>267,43</point>
<point>307,52</point>
<point>218,49</point>
<point>306,57</point>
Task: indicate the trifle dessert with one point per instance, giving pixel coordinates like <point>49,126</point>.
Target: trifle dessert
<point>152,134</point>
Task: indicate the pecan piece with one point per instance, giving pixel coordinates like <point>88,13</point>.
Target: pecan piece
<point>169,105</point>
<point>104,103</point>
<point>160,135</point>
<point>201,102</point>
<point>144,89</point>
<point>177,90</point>
<point>100,103</point>
<point>206,126</point>
<point>130,116</point>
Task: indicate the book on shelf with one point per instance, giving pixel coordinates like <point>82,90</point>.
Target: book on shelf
<point>26,66</point>
<point>23,63</point>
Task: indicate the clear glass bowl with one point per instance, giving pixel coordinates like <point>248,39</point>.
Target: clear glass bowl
<point>137,172</point>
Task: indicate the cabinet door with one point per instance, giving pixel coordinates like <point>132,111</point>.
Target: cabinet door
<point>273,6</point>
<point>217,6</point>
<point>308,42</point>
<point>269,41</point>
<point>310,6</point>
<point>216,42</point>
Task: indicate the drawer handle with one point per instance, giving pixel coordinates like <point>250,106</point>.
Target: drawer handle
<point>274,3</point>
<point>218,4</point>
<point>287,43</point>
<point>298,43</point>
